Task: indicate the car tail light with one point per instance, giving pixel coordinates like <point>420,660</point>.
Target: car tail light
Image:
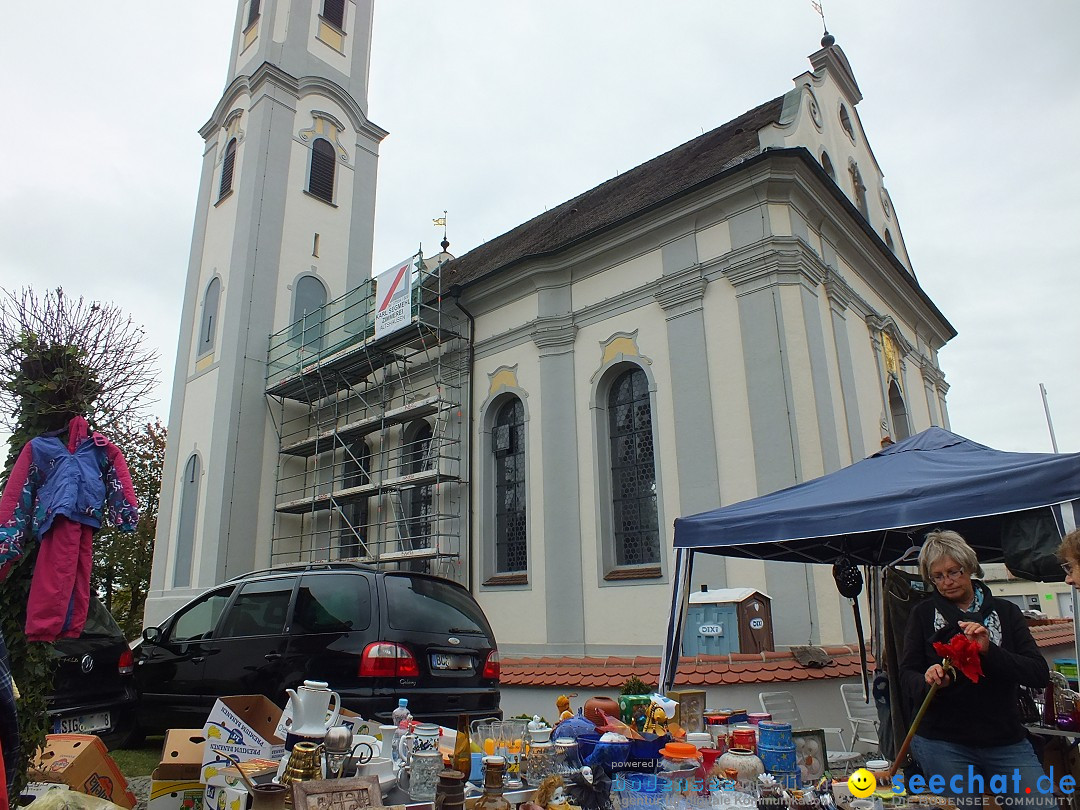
<point>384,659</point>
<point>491,666</point>
<point>126,664</point>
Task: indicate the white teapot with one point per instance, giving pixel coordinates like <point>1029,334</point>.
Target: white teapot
<point>311,709</point>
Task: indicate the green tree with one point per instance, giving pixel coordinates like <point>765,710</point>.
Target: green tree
<point>122,560</point>
<point>59,357</point>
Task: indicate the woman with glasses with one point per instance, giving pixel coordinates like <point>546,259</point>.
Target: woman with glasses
<point>1069,551</point>
<point>971,729</point>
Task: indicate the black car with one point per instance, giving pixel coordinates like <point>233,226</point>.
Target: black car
<point>93,685</point>
<point>374,636</point>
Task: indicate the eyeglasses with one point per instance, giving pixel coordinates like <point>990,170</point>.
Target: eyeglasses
<point>954,573</point>
<point>1067,567</point>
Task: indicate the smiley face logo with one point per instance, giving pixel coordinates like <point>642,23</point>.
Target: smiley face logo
<point>862,783</point>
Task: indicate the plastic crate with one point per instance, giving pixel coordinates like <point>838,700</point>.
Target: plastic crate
<point>1066,666</point>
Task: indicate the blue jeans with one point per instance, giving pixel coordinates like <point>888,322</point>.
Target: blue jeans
<point>961,766</point>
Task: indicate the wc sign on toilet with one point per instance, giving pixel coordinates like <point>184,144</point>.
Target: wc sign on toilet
<point>393,294</point>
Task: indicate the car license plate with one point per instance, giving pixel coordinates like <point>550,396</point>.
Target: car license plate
<point>82,724</point>
<point>448,661</point>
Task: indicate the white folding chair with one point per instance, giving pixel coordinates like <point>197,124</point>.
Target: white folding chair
<point>862,716</point>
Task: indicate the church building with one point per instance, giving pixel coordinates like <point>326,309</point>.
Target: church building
<point>735,316</point>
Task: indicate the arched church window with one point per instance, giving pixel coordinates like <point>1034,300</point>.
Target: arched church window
<point>898,411</point>
<point>227,165</point>
<point>334,12</point>
<point>826,164</point>
<point>309,296</point>
<point>323,164</point>
<point>208,325</point>
<point>633,470</point>
<point>508,445</point>
<point>185,532</point>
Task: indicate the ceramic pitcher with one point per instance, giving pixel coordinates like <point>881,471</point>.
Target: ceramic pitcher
<point>312,715</point>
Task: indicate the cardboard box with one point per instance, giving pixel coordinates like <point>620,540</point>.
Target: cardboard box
<point>242,726</point>
<point>82,761</point>
<point>181,755</point>
<point>175,794</point>
<point>225,798</point>
<point>230,777</point>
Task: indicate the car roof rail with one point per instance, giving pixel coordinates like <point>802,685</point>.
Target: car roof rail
<point>284,568</point>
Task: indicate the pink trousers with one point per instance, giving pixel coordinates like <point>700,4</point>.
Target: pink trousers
<point>60,590</point>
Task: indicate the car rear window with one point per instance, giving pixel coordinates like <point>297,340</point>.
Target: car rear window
<point>418,603</point>
<point>100,623</point>
<point>332,603</point>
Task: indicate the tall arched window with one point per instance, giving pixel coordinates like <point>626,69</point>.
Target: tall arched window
<point>356,472</point>
<point>185,532</point>
<point>419,456</point>
<point>333,11</point>
<point>227,165</point>
<point>508,445</point>
<point>208,323</point>
<point>898,411</point>
<point>309,296</point>
<point>633,470</point>
<point>323,163</point>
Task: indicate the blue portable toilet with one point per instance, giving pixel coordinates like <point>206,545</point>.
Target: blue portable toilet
<point>728,620</point>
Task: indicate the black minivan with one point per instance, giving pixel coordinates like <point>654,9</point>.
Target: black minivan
<point>373,635</point>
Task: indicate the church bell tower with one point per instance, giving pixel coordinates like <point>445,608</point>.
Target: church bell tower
<point>283,223</point>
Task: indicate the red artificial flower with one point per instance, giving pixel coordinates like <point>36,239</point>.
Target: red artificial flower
<point>961,653</point>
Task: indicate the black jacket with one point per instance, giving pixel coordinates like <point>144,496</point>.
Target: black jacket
<point>982,714</point>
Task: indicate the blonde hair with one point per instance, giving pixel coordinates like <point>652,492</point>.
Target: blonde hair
<point>940,544</point>
<point>1069,550</point>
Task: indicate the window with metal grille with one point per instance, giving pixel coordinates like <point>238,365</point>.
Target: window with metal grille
<point>253,12</point>
<point>333,11</point>
<point>633,470</point>
<point>323,163</point>
<point>511,555</point>
<point>227,169</point>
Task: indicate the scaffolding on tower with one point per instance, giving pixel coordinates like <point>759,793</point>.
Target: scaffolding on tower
<point>370,432</point>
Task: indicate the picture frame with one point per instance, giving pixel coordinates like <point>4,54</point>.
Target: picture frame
<point>691,711</point>
<point>353,793</point>
<point>811,754</point>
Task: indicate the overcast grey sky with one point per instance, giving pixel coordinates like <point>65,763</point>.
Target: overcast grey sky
<point>499,109</point>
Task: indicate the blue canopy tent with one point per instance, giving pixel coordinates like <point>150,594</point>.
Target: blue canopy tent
<point>1004,504</point>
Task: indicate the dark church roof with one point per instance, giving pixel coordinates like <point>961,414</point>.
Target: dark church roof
<point>620,198</point>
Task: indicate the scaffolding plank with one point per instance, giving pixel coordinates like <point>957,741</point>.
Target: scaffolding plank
<point>364,427</point>
<point>367,356</point>
<point>346,495</point>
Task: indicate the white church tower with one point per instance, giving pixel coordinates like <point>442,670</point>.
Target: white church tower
<point>284,223</point>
